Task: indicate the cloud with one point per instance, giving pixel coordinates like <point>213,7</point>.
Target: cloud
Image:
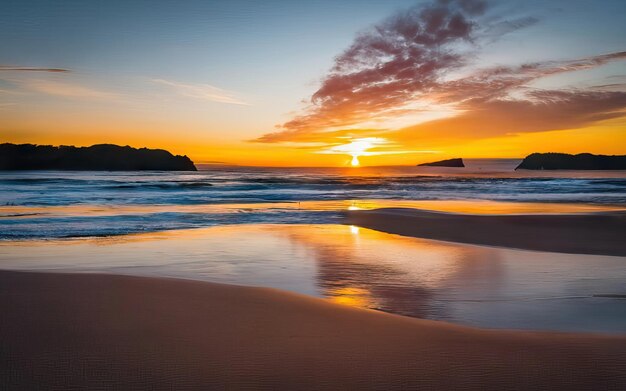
<point>494,31</point>
<point>202,91</point>
<point>10,68</point>
<point>487,107</point>
<point>49,84</point>
<point>367,146</point>
<point>6,104</point>
<point>64,89</point>
<point>386,66</point>
<point>543,111</point>
<point>495,83</point>
<point>420,59</point>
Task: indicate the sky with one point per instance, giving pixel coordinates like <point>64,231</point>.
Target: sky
<point>318,83</point>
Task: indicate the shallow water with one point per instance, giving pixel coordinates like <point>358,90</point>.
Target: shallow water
<point>466,284</point>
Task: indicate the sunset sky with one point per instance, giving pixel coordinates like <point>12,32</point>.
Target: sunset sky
<point>292,83</point>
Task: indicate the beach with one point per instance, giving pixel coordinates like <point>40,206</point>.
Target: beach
<point>209,281</point>
<point>119,332</point>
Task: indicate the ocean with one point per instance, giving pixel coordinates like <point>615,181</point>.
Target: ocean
<point>65,204</point>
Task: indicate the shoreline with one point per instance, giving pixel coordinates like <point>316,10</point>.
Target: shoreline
<point>142,332</point>
<point>599,233</point>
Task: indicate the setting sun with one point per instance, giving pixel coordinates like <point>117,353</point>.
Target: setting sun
<point>357,148</point>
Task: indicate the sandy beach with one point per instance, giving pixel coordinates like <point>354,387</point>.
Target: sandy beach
<point>599,233</point>
<point>102,331</point>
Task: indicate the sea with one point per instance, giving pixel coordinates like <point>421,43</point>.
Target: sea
<point>283,228</point>
<point>65,204</point>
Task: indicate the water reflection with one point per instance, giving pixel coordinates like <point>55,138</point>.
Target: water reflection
<point>392,273</point>
<point>482,286</point>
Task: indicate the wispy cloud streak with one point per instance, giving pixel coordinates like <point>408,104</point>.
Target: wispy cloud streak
<point>202,91</point>
<point>9,68</point>
<point>64,89</point>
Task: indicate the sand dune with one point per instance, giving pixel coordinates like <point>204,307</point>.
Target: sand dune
<point>62,331</point>
<point>599,233</point>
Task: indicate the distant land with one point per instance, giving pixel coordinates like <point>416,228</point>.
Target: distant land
<point>458,162</point>
<point>564,161</point>
<point>100,157</point>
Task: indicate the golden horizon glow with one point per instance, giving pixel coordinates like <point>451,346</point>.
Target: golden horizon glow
<point>606,137</point>
<point>607,140</point>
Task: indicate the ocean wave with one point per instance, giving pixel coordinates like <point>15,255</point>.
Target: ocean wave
<point>124,224</point>
<point>159,185</point>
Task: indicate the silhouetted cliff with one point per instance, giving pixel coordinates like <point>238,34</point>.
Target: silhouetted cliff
<point>104,157</point>
<point>564,161</point>
<point>458,162</point>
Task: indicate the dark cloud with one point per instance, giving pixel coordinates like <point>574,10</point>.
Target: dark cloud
<point>412,57</point>
<point>31,69</point>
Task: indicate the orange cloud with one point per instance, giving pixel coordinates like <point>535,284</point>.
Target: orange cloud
<point>411,62</point>
<point>543,111</point>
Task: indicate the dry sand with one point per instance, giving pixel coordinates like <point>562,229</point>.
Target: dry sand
<point>62,331</point>
<point>601,233</point>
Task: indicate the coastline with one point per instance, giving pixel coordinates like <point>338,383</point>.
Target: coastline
<point>599,233</point>
<point>140,332</point>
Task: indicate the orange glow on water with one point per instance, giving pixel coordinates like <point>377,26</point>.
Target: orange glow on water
<point>454,206</point>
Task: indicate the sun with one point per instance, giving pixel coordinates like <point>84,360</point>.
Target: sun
<point>357,148</point>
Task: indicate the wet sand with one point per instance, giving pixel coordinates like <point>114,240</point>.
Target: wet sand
<point>86,331</point>
<point>599,233</point>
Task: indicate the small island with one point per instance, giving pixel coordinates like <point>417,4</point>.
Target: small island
<point>564,161</point>
<point>458,162</point>
<point>100,157</point>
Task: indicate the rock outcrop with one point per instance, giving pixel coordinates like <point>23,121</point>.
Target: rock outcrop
<point>100,157</point>
<point>564,161</point>
<point>458,162</point>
